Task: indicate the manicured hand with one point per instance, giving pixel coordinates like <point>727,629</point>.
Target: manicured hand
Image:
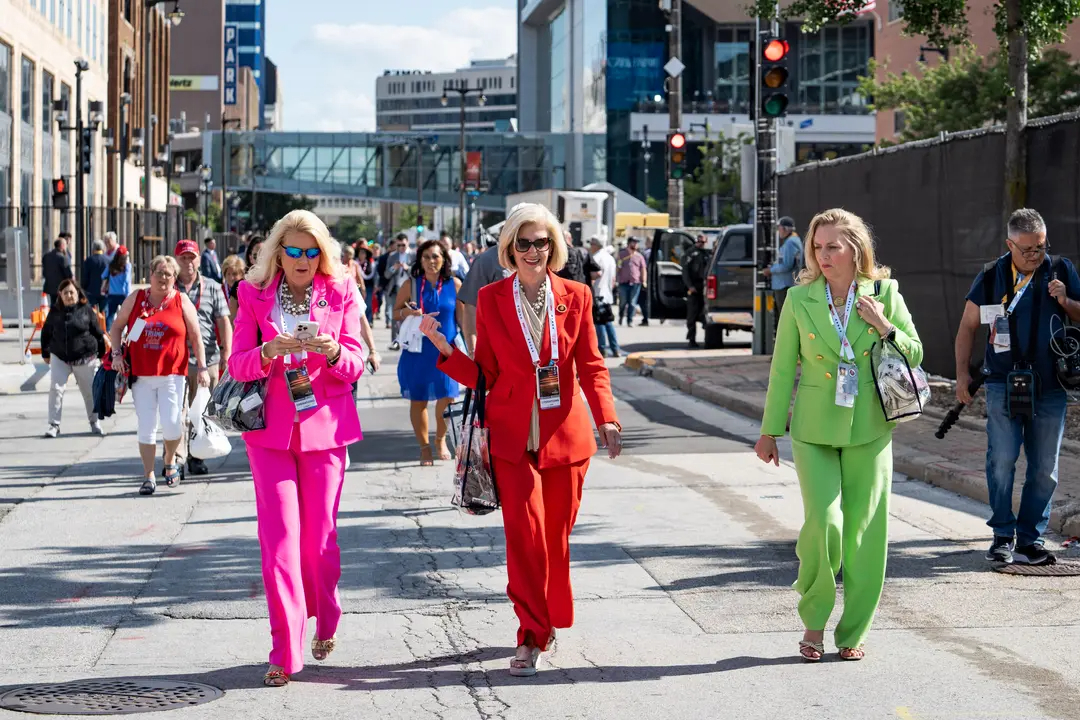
<point>766,450</point>
<point>611,438</point>
<point>1057,291</point>
<point>430,327</point>
<point>873,312</point>
<point>322,344</point>
<point>281,345</point>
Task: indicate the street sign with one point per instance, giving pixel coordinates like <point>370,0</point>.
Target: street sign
<point>231,64</point>
<point>806,123</point>
<point>674,67</point>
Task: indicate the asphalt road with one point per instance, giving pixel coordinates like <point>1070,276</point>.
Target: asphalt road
<point>683,559</point>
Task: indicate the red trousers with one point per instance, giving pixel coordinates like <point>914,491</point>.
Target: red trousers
<point>539,509</point>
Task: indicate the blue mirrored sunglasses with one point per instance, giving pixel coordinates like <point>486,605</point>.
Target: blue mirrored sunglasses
<point>296,253</point>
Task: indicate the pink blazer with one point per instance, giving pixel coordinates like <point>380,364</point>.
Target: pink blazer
<point>334,423</point>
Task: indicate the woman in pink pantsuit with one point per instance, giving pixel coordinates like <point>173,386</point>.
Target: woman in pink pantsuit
<point>298,461</point>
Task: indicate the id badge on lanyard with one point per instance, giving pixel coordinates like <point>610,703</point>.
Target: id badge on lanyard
<point>547,376</point>
<point>847,373</point>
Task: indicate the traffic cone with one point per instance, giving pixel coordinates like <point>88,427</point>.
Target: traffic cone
<point>1,323</point>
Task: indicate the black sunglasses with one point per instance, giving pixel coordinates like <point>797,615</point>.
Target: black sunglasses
<point>541,244</point>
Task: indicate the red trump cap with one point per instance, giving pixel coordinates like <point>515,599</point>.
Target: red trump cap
<point>186,246</point>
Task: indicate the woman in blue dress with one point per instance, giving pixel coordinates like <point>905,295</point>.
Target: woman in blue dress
<point>435,293</point>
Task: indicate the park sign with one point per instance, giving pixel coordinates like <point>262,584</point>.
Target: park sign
<point>230,63</point>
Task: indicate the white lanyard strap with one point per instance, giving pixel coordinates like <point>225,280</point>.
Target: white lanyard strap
<point>281,327</point>
<point>552,328</point>
<point>1020,294</point>
<point>841,329</point>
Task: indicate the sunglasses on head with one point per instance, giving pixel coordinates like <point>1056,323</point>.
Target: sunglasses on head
<point>296,253</point>
<point>522,245</point>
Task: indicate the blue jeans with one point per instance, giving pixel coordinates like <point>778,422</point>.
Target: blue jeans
<point>1041,439</point>
<point>115,301</point>
<point>628,296</point>
<point>369,297</point>
<point>605,338</point>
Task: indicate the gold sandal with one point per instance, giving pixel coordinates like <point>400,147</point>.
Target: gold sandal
<point>806,646</point>
<point>321,649</point>
<point>852,654</point>
<point>275,678</point>
<point>525,668</point>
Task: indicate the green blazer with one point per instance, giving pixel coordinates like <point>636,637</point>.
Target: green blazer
<point>807,335</point>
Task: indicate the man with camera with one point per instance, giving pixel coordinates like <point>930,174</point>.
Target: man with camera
<point>1024,298</point>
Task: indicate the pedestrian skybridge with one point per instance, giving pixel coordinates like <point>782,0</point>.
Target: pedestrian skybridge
<point>399,167</point>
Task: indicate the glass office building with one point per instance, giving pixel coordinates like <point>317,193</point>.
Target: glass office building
<point>596,66</point>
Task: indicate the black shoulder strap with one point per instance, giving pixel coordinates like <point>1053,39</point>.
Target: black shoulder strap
<point>877,287</point>
<point>989,280</point>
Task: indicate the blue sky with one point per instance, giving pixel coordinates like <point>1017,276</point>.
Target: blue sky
<point>329,52</point>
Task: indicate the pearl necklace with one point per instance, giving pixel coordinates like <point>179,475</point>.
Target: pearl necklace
<point>541,298</point>
<point>290,306</point>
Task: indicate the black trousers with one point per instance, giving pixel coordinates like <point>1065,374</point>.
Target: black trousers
<point>695,313</point>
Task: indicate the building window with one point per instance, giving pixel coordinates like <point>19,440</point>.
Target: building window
<point>830,65</point>
<point>27,110</point>
<point>127,10</point>
<point>733,66</point>
<point>46,101</point>
<point>896,10</point>
<point>560,78</point>
<point>899,122</point>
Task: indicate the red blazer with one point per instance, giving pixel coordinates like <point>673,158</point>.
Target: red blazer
<point>566,435</point>
<point>334,423</point>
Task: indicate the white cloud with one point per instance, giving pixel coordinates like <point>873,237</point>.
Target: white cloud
<point>350,57</point>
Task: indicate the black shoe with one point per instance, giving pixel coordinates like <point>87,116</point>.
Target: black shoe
<point>1033,555</point>
<point>693,345</point>
<point>197,466</point>
<point>643,323</point>
<point>1001,550</point>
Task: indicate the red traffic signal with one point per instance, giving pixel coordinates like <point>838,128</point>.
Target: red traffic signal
<point>677,141</point>
<point>776,50</point>
<point>60,186</point>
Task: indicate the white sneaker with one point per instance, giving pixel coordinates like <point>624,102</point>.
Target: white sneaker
<point>53,431</point>
<point>95,427</point>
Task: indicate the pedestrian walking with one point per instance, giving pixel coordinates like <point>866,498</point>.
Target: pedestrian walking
<point>431,289</point>
<point>840,438</point>
<point>486,269</point>
<point>215,332</point>
<point>210,267</point>
<point>232,272</point>
<point>365,257</point>
<point>298,461</point>
<point>55,269</point>
<point>604,299</point>
<point>580,266</point>
<point>251,252</point>
<point>112,244</point>
<point>386,300</point>
<point>116,283</point>
<point>161,323</point>
<point>536,346</point>
<point>784,273</point>
<point>457,259</point>
<point>72,343</point>
<point>398,267</point>
<point>695,268</point>
<point>1025,298</point>
<point>352,268</point>
<point>93,269</point>
<point>631,275</point>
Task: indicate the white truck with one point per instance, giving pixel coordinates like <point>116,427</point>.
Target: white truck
<point>582,213</point>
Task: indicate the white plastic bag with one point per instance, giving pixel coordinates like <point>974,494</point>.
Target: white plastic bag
<point>409,334</point>
<point>207,441</point>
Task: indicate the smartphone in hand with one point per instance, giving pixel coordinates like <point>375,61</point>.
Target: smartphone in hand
<point>306,330</point>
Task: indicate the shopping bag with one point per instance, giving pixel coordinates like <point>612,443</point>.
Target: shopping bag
<point>207,440</point>
<point>475,491</point>
<point>409,335</point>
<point>903,391</point>
<point>454,415</point>
<point>238,406</point>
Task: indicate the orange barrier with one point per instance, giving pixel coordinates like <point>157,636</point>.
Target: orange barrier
<point>38,318</point>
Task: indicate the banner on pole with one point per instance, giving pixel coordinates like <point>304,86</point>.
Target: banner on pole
<point>230,64</point>
<point>473,161</point>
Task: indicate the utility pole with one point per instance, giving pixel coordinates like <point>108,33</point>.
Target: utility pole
<point>674,68</point>
<point>79,251</point>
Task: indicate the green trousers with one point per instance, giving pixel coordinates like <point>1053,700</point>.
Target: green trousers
<point>845,495</point>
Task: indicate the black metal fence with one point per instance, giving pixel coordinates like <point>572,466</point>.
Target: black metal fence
<point>936,207</point>
<point>145,234</point>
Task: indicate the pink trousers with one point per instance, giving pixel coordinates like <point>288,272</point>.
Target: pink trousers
<point>297,495</point>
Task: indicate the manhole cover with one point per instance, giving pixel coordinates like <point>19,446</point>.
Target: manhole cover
<point>1061,569</point>
<point>107,697</point>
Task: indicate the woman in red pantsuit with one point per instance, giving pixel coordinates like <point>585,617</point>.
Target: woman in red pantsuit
<point>536,345</point>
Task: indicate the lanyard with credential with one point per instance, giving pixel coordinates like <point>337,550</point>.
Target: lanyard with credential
<point>553,330</point>
<point>1019,288</point>
<point>841,329</point>
<point>279,319</point>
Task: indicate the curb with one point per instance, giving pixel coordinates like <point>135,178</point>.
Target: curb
<point>932,469</point>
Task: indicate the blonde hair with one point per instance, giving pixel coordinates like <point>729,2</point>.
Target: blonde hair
<point>165,260</point>
<point>532,214</point>
<point>266,268</point>
<point>855,233</point>
<point>231,263</point>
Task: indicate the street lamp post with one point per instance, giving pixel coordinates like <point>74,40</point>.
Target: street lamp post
<point>205,183</point>
<point>125,102</point>
<point>175,16</point>
<point>225,123</point>
<point>463,92</point>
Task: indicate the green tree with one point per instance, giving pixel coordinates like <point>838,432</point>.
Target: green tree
<point>971,91</point>
<point>407,216</point>
<point>351,229</point>
<point>1023,28</point>
<point>656,204</point>
<point>718,180</point>
<point>270,207</point>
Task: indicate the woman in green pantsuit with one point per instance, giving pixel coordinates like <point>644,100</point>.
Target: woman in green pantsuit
<point>840,439</point>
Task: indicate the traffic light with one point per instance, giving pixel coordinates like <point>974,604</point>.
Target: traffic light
<point>60,194</point>
<point>774,76</point>
<point>676,156</point>
<point>86,150</point>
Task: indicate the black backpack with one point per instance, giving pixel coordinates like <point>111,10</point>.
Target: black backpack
<point>574,268</point>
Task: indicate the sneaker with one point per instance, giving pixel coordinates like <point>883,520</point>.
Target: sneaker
<point>1001,550</point>
<point>53,431</point>
<point>95,427</point>
<point>395,346</point>
<point>1033,555</point>
<point>692,345</point>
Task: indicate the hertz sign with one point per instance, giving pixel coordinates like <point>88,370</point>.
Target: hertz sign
<point>193,82</point>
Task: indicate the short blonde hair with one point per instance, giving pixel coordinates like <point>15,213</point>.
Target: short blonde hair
<point>231,264</point>
<point>855,233</point>
<point>165,260</point>
<point>532,214</point>
<point>266,268</point>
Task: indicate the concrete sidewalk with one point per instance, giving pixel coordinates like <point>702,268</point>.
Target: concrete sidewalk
<point>737,381</point>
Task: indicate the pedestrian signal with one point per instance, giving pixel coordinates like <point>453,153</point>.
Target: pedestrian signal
<point>676,156</point>
<point>60,194</point>
<point>774,76</point>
